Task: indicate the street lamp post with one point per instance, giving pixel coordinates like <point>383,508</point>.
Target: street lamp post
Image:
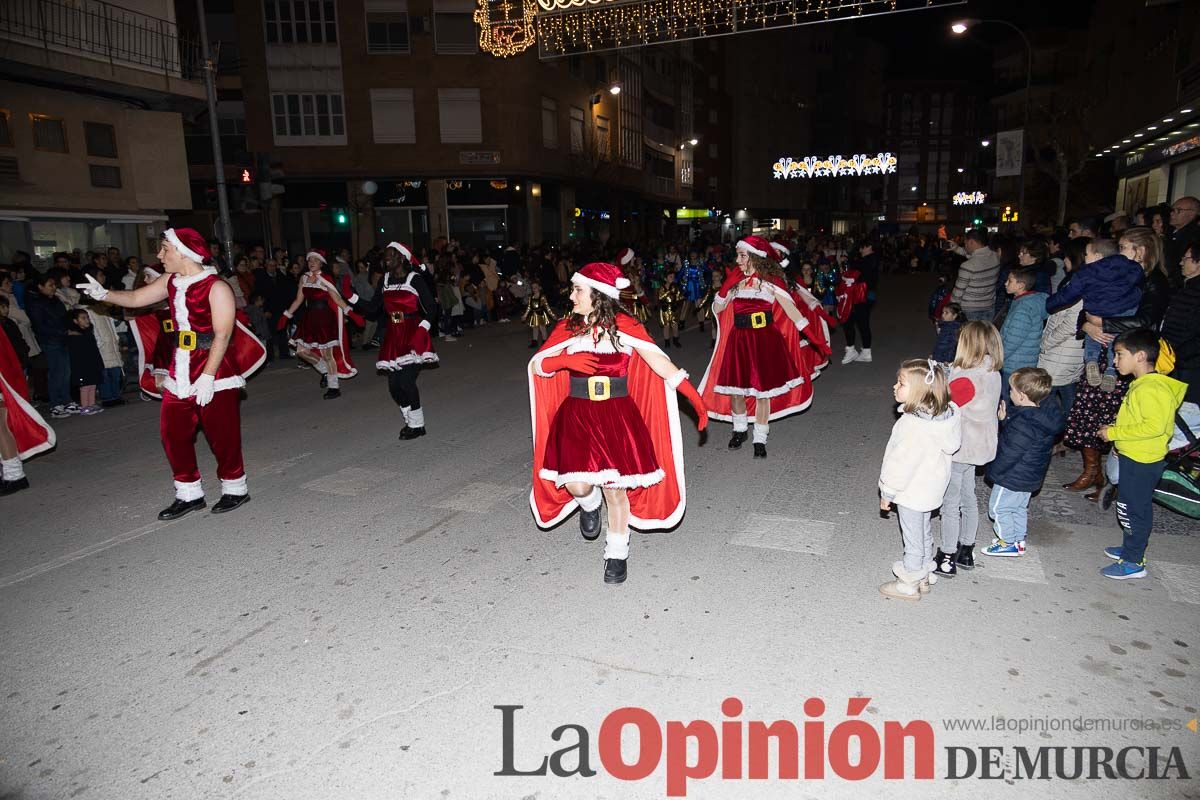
<point>961,27</point>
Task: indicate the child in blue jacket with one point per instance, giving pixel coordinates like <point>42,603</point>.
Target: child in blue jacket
<point>1028,427</point>
<point>1021,332</point>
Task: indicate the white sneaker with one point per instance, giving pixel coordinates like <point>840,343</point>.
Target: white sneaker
<point>450,338</point>
<point>865,356</point>
<point>73,408</point>
<point>851,355</point>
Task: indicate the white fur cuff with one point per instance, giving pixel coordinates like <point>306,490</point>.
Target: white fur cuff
<point>676,379</point>
<point>236,487</point>
<point>592,500</point>
<point>352,299</point>
<point>188,492</point>
<point>424,324</point>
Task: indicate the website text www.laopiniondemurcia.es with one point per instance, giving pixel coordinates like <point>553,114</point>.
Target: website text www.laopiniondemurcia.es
<point>853,749</point>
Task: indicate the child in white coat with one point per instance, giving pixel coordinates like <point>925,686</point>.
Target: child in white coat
<point>916,469</point>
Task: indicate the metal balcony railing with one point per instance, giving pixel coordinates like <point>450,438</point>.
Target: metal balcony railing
<point>103,31</point>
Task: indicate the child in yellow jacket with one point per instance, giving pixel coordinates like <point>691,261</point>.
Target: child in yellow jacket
<point>1143,428</point>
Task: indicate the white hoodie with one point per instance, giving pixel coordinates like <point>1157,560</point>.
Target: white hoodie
<point>916,463</point>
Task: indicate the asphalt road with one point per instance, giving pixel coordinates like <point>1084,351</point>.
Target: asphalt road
<point>349,632</point>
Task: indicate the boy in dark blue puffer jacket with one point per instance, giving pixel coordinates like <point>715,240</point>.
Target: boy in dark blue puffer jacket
<point>1027,431</point>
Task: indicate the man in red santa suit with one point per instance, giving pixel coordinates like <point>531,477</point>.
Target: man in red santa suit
<point>760,365</point>
<point>605,421</point>
<point>23,432</point>
<point>213,354</point>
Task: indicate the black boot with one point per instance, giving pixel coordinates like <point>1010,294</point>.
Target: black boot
<point>615,570</point>
<point>11,487</point>
<point>324,381</point>
<point>229,502</point>
<point>181,507</point>
<point>675,341</point>
<point>332,394</point>
<point>532,343</point>
<point>760,450</point>
<point>965,557</point>
<point>944,564</point>
<point>412,433</point>
<point>738,439</point>
<point>666,343</point>
<point>589,524</point>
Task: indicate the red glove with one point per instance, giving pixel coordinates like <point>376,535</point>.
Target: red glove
<point>687,390</point>
<point>284,319</point>
<point>356,318</point>
<point>585,363</point>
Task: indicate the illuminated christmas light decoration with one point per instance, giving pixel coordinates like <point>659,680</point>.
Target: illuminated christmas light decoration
<point>970,198</point>
<point>834,166</point>
<point>499,184</point>
<point>506,27</point>
<point>567,27</point>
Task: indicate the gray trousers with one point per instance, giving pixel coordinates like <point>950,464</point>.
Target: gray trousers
<point>960,508</point>
<point>917,531</point>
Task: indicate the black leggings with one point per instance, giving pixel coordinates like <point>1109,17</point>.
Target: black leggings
<point>860,319</point>
<point>402,384</point>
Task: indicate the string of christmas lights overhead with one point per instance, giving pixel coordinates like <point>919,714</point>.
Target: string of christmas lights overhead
<point>567,27</point>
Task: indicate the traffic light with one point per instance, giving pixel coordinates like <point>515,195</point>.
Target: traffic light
<point>339,216</point>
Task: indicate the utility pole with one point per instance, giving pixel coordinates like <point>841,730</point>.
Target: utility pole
<point>210,89</point>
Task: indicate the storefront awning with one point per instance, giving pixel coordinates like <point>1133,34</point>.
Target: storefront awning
<point>1167,138</point>
<point>25,215</point>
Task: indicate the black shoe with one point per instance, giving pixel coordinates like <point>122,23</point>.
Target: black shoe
<point>532,343</point>
<point>324,381</point>
<point>412,433</point>
<point>738,439</point>
<point>12,487</point>
<point>615,570</point>
<point>675,341</point>
<point>760,450</point>
<point>332,394</point>
<point>965,558</point>
<point>589,524</point>
<point>229,502</point>
<point>666,342</point>
<point>112,403</point>
<point>181,507</point>
<point>944,564</point>
<point>1107,496</point>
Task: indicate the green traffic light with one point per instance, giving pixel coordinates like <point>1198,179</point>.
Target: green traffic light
<point>341,218</point>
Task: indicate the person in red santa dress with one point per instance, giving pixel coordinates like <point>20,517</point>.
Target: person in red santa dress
<point>408,310</point>
<point>152,329</point>
<point>213,354</point>
<point>321,338</point>
<point>809,306</point>
<point>23,432</point>
<point>605,421</point>
<point>760,365</point>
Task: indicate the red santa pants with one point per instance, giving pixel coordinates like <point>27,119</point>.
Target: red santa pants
<point>222,424</point>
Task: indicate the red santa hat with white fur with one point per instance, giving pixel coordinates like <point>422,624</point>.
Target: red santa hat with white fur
<point>756,245</point>
<point>402,249</point>
<point>188,243</point>
<point>625,256</point>
<point>604,278</point>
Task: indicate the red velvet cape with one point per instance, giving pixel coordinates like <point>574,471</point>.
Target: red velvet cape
<point>651,508</point>
<point>32,433</point>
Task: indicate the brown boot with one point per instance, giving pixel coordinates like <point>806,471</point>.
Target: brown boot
<point>1091,467</point>
<point>1098,485</point>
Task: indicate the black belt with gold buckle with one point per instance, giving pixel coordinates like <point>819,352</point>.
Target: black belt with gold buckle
<point>759,319</point>
<point>318,304</point>
<point>190,340</point>
<point>397,316</point>
<point>599,387</point>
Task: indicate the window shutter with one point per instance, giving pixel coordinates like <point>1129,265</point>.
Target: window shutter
<point>387,6</point>
<point>458,110</point>
<point>393,116</point>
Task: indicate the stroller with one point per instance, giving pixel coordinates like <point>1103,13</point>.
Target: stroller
<point>1179,489</point>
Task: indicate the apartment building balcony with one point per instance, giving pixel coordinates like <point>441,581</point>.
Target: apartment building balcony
<point>96,45</point>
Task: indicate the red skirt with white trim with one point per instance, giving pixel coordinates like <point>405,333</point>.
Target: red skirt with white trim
<point>602,443</point>
<point>317,329</point>
<point>406,343</point>
<point>757,364</point>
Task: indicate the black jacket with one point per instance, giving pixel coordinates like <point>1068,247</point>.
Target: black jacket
<point>17,341</point>
<point>278,292</point>
<point>1181,327</point>
<point>1023,450</point>
<point>1156,293</point>
<point>48,316</point>
<point>1174,246</point>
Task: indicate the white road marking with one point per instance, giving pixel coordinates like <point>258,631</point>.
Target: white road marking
<point>794,534</point>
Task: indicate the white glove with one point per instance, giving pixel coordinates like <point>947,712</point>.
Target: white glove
<point>92,288</point>
<point>204,389</point>
<point>424,324</point>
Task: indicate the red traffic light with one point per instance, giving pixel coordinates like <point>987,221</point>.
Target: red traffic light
<point>247,176</point>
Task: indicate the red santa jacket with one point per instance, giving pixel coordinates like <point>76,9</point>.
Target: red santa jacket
<point>851,291</point>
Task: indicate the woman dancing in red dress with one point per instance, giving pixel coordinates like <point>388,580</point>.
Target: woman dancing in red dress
<point>605,421</point>
<point>407,309</point>
<point>321,338</point>
<point>760,364</point>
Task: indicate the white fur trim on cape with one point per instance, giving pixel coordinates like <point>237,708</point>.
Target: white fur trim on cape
<point>191,255</point>
<point>33,414</point>
<point>406,359</point>
<point>608,478</point>
<point>759,393</point>
<point>676,515</point>
<point>749,248</point>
